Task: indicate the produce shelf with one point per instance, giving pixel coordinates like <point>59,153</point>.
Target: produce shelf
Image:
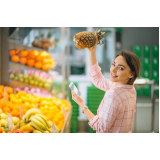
<point>18,84</point>
<point>18,66</point>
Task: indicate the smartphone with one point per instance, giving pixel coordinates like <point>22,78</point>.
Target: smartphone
<point>74,88</point>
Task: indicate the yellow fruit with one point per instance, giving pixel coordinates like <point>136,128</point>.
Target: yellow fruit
<point>1,111</point>
<point>15,120</point>
<point>3,116</point>
<point>3,122</point>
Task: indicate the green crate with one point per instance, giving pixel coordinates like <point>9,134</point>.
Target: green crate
<point>155,51</point>
<point>146,51</point>
<point>146,90</point>
<point>146,74</point>
<point>155,63</point>
<point>146,63</point>
<point>139,91</point>
<point>137,50</point>
<point>155,75</point>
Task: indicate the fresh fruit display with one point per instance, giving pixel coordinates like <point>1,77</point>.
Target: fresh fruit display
<point>5,91</point>
<point>45,43</point>
<point>52,108</point>
<point>36,91</point>
<point>38,59</point>
<point>87,39</point>
<point>37,78</point>
<point>34,122</point>
<point>4,124</point>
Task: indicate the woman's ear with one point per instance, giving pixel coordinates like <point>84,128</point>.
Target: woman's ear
<point>132,75</point>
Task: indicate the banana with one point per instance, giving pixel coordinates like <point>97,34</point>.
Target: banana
<point>36,127</point>
<point>36,131</point>
<point>46,132</point>
<point>38,123</point>
<point>27,127</point>
<point>40,119</point>
<point>31,112</point>
<point>45,119</point>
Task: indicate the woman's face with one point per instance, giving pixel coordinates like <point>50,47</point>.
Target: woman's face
<point>120,73</point>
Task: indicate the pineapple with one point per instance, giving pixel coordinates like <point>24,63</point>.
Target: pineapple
<point>87,39</point>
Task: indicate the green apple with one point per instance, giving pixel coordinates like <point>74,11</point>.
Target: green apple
<point>30,77</point>
<point>36,82</point>
<point>15,78</point>
<point>25,76</point>
<point>40,84</point>
<point>31,82</point>
<point>11,76</point>
<point>21,79</point>
<point>20,75</point>
<point>47,85</point>
<point>26,80</point>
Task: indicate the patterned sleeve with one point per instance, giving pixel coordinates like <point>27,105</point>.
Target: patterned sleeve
<point>98,79</point>
<point>106,118</point>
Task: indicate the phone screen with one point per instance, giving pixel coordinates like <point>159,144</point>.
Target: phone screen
<point>74,88</point>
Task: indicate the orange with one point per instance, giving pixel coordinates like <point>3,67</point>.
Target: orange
<point>23,60</point>
<point>6,109</point>
<point>3,105</point>
<point>24,53</point>
<point>46,67</point>
<point>30,62</point>
<point>6,113</point>
<point>12,52</point>
<point>15,58</point>
<point>1,92</point>
<point>38,65</point>
<point>15,113</point>
<point>9,90</point>
<point>18,51</point>
<point>32,54</point>
<point>2,87</point>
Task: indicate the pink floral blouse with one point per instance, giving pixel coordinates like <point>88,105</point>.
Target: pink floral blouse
<point>116,111</point>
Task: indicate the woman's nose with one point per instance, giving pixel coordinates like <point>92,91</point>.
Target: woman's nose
<point>114,69</point>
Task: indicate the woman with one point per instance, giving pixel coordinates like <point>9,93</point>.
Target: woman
<point>117,109</point>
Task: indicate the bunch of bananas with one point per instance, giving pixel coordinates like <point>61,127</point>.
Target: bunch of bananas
<point>34,122</point>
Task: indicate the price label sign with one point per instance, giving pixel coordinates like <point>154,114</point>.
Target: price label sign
<point>21,112</point>
<point>53,128</point>
<point>64,112</point>
<point>5,91</point>
<point>10,122</point>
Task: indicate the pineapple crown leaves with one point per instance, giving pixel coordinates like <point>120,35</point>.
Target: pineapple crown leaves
<point>100,35</point>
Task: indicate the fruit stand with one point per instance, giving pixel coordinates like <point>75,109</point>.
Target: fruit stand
<point>27,104</point>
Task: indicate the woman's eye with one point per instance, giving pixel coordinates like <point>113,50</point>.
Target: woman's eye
<point>121,68</point>
<point>113,64</point>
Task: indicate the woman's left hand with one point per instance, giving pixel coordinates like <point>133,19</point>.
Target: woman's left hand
<point>77,99</point>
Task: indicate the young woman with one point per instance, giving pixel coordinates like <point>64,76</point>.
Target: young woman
<point>117,109</point>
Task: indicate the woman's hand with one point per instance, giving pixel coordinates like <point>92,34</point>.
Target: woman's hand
<point>77,99</point>
<point>93,49</point>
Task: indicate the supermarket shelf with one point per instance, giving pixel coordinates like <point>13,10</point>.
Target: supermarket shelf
<point>18,84</point>
<point>18,66</point>
<point>17,45</point>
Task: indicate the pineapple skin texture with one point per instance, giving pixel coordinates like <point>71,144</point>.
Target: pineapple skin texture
<point>85,39</point>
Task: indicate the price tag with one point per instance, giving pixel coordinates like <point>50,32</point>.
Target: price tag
<point>21,112</point>
<point>10,122</point>
<point>5,91</point>
<point>64,112</point>
<point>53,128</point>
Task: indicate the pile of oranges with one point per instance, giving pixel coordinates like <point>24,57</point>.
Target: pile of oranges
<point>8,91</point>
<point>38,59</point>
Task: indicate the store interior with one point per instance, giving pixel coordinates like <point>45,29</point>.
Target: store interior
<point>69,64</point>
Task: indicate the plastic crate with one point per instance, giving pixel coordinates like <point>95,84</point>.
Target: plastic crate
<point>137,50</point>
<point>146,51</point>
<point>155,51</point>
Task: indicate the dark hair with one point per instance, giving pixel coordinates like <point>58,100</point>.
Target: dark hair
<point>133,62</point>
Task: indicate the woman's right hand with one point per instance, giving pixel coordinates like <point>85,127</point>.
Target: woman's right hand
<point>93,49</point>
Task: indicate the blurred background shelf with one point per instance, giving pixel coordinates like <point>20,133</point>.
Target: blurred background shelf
<point>18,66</point>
